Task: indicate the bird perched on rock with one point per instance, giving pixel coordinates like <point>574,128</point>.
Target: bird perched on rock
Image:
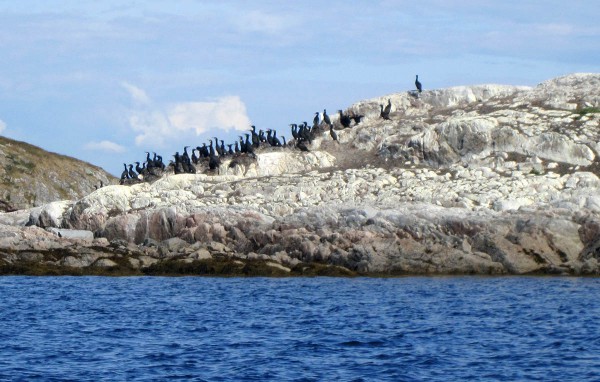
<point>326,118</point>
<point>345,120</point>
<point>385,113</point>
<point>302,146</point>
<point>333,134</point>
<point>124,174</point>
<point>356,118</point>
<point>132,174</point>
<point>418,84</point>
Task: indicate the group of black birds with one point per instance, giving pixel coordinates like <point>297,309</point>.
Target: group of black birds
<point>385,112</point>
<point>211,154</point>
<point>152,167</point>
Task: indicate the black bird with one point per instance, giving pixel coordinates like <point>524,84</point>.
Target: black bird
<point>150,162</point>
<point>204,153</point>
<point>284,142</point>
<point>326,118</point>
<point>223,151</point>
<point>243,148</point>
<point>138,168</point>
<point>132,173</point>
<point>316,119</point>
<point>217,146</point>
<point>230,151</point>
<point>159,162</point>
<point>194,157</point>
<point>213,162</point>
<point>255,139</point>
<point>236,147</point>
<point>294,131</point>
<point>249,147</point>
<point>302,146</point>
<point>270,138</point>
<point>276,141</point>
<point>418,84</point>
<point>185,158</point>
<point>357,118</point>
<point>178,167</point>
<point>385,113</point>
<point>345,120</point>
<point>333,134</point>
<point>124,174</point>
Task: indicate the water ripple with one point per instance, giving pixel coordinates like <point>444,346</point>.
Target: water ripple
<point>313,329</point>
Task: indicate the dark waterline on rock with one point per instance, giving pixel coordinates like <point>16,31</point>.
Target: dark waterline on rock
<point>299,329</point>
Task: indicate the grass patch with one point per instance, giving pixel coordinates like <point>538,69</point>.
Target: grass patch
<point>586,110</point>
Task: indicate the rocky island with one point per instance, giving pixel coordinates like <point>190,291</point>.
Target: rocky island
<point>487,179</point>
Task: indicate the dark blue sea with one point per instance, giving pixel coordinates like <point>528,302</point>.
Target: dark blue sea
<point>299,329</point>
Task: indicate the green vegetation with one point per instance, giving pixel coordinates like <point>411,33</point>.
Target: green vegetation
<point>586,110</point>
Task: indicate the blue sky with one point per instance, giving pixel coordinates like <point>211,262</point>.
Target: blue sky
<point>106,81</point>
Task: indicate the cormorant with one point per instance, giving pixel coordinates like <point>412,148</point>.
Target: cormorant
<point>217,146</point>
<point>125,173</point>
<point>418,84</point>
<point>230,151</point>
<point>294,131</point>
<point>316,119</point>
<point>204,153</point>
<point>213,162</point>
<point>185,158</point>
<point>177,167</point>
<point>270,138</point>
<point>243,148</point>
<point>255,139</point>
<point>249,147</point>
<point>302,146</point>
<point>326,118</point>
<point>132,173</point>
<point>159,162</point>
<point>385,113</point>
<point>138,168</point>
<point>333,134</point>
<point>344,119</point>
<point>194,157</point>
<point>356,118</point>
<point>150,162</point>
<point>276,141</point>
<point>284,142</point>
<point>236,147</point>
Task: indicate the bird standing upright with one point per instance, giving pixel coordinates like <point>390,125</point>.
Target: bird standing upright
<point>385,113</point>
<point>326,118</point>
<point>333,134</point>
<point>418,84</point>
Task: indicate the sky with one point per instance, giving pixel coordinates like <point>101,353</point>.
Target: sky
<point>105,81</point>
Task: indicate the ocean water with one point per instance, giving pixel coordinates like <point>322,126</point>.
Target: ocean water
<point>299,329</point>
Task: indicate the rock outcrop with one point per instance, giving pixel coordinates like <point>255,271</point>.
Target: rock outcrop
<point>469,180</point>
<point>30,176</point>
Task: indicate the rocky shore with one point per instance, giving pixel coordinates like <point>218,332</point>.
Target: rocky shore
<point>486,179</point>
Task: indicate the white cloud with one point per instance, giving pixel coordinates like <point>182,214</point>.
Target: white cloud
<point>137,95</point>
<point>156,125</point>
<point>2,125</point>
<point>105,146</point>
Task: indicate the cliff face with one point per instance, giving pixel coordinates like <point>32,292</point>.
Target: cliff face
<point>30,176</point>
<point>485,179</point>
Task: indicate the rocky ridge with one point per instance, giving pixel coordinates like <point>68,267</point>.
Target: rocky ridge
<point>484,179</point>
<point>31,176</point>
